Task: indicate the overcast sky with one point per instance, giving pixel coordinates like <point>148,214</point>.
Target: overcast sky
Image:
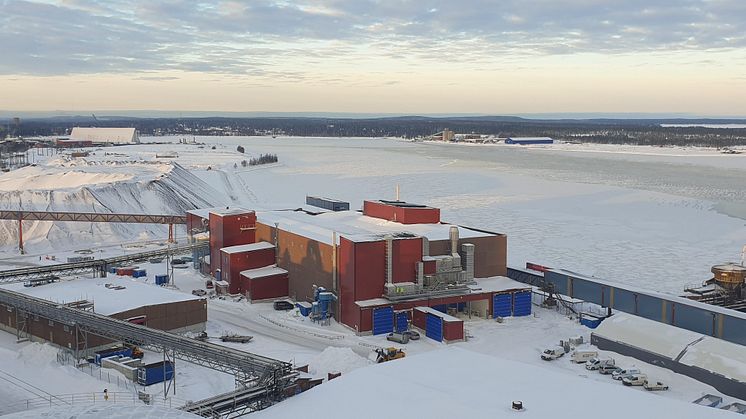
<point>454,56</point>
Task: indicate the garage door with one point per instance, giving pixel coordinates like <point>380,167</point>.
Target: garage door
<point>501,304</point>
<point>383,320</point>
<point>402,321</point>
<point>522,303</point>
<point>434,327</point>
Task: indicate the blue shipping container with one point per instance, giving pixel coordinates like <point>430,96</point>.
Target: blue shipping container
<point>402,321</point>
<point>522,303</point>
<point>139,273</point>
<point>161,279</point>
<point>155,373</point>
<point>443,308</point>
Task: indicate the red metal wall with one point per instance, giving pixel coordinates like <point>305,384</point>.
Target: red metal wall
<point>418,319</point>
<point>407,252</point>
<point>370,270</point>
<point>193,222</point>
<point>403,215</point>
<point>230,230</point>
<point>233,263</point>
<point>453,331</point>
<point>274,286</point>
<point>349,312</point>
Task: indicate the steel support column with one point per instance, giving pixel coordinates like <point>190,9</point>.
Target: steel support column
<point>20,235</point>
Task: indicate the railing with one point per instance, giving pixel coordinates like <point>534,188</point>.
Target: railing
<point>93,398</point>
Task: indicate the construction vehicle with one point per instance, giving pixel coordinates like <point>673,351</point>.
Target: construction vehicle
<point>137,353</point>
<point>389,354</point>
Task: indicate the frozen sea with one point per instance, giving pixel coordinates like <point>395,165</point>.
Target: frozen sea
<point>657,218</point>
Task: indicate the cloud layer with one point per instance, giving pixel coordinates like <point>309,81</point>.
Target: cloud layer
<point>280,38</point>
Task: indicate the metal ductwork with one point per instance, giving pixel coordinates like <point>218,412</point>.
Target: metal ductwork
<point>425,246</point>
<point>468,260</point>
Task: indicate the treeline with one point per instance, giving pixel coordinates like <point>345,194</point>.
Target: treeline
<point>642,132</point>
<point>263,159</point>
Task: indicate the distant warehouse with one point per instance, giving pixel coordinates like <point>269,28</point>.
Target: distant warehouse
<point>106,135</point>
<point>529,140</point>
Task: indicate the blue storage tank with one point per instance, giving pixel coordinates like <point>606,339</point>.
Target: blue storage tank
<point>155,373</point>
<point>304,308</point>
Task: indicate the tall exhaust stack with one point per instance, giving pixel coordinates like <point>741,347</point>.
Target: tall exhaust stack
<point>453,235</point>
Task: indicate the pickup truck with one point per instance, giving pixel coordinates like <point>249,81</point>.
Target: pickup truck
<point>635,380</point>
<point>552,353</point>
<point>654,385</point>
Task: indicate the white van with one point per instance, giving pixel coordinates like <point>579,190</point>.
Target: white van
<point>583,356</point>
<point>594,363</point>
<point>619,375</point>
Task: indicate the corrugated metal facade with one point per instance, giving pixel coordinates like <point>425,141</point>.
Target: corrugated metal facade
<point>434,327</point>
<point>383,320</point>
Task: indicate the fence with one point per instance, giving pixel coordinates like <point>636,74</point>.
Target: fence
<point>103,374</point>
<point>89,399</point>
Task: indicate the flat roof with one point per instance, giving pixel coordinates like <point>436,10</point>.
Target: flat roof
<point>401,204</point>
<point>106,301</point>
<point>204,212</point>
<point>497,284</point>
<point>355,226</point>
<point>247,247</point>
<point>263,272</point>
<point>444,316</point>
<point>229,211</point>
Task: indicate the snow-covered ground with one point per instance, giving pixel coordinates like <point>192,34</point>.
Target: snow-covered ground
<point>653,219</point>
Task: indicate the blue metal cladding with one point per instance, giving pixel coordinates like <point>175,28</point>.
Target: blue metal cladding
<point>434,327</point>
<point>625,301</point>
<point>443,308</point>
<point>695,319</point>
<point>522,303</point>
<point>383,320</point>
<point>402,321</point>
<point>501,305</point>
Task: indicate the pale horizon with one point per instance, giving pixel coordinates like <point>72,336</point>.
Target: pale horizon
<point>394,57</point>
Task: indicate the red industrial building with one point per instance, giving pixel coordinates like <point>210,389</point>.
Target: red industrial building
<point>394,262</point>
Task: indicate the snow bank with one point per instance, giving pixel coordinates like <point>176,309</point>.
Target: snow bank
<point>112,411</point>
<point>334,359</point>
<point>457,383</point>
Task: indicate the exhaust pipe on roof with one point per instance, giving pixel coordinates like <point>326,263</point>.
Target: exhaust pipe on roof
<point>389,257</point>
<point>453,235</point>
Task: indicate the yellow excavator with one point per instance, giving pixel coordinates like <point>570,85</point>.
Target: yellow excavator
<point>388,354</point>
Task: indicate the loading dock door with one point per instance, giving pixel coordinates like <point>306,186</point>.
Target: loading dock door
<point>501,304</point>
<point>383,320</point>
<point>434,327</point>
<point>402,321</point>
<point>522,303</point>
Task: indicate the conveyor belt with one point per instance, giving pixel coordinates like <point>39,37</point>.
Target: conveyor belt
<point>98,266</point>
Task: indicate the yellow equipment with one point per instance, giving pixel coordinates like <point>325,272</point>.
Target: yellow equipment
<point>388,354</point>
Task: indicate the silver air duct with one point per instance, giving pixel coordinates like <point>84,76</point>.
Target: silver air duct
<point>389,257</point>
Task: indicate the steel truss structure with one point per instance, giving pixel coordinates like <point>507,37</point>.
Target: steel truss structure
<point>99,266</point>
<point>261,379</point>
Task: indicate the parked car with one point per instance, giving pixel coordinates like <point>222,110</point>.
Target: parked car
<point>283,305</point>
<point>620,374</point>
<point>654,386</point>
<point>156,260</point>
<point>199,293</point>
<point>595,363</point>
<point>178,261</point>
<point>398,337</point>
<point>551,354</point>
<point>607,369</point>
<point>413,334</point>
<point>634,380</point>
<point>583,356</point>
<point>187,259</point>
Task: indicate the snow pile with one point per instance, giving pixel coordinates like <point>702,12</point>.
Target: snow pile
<point>457,383</point>
<point>133,187</point>
<point>112,411</point>
<point>334,359</point>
